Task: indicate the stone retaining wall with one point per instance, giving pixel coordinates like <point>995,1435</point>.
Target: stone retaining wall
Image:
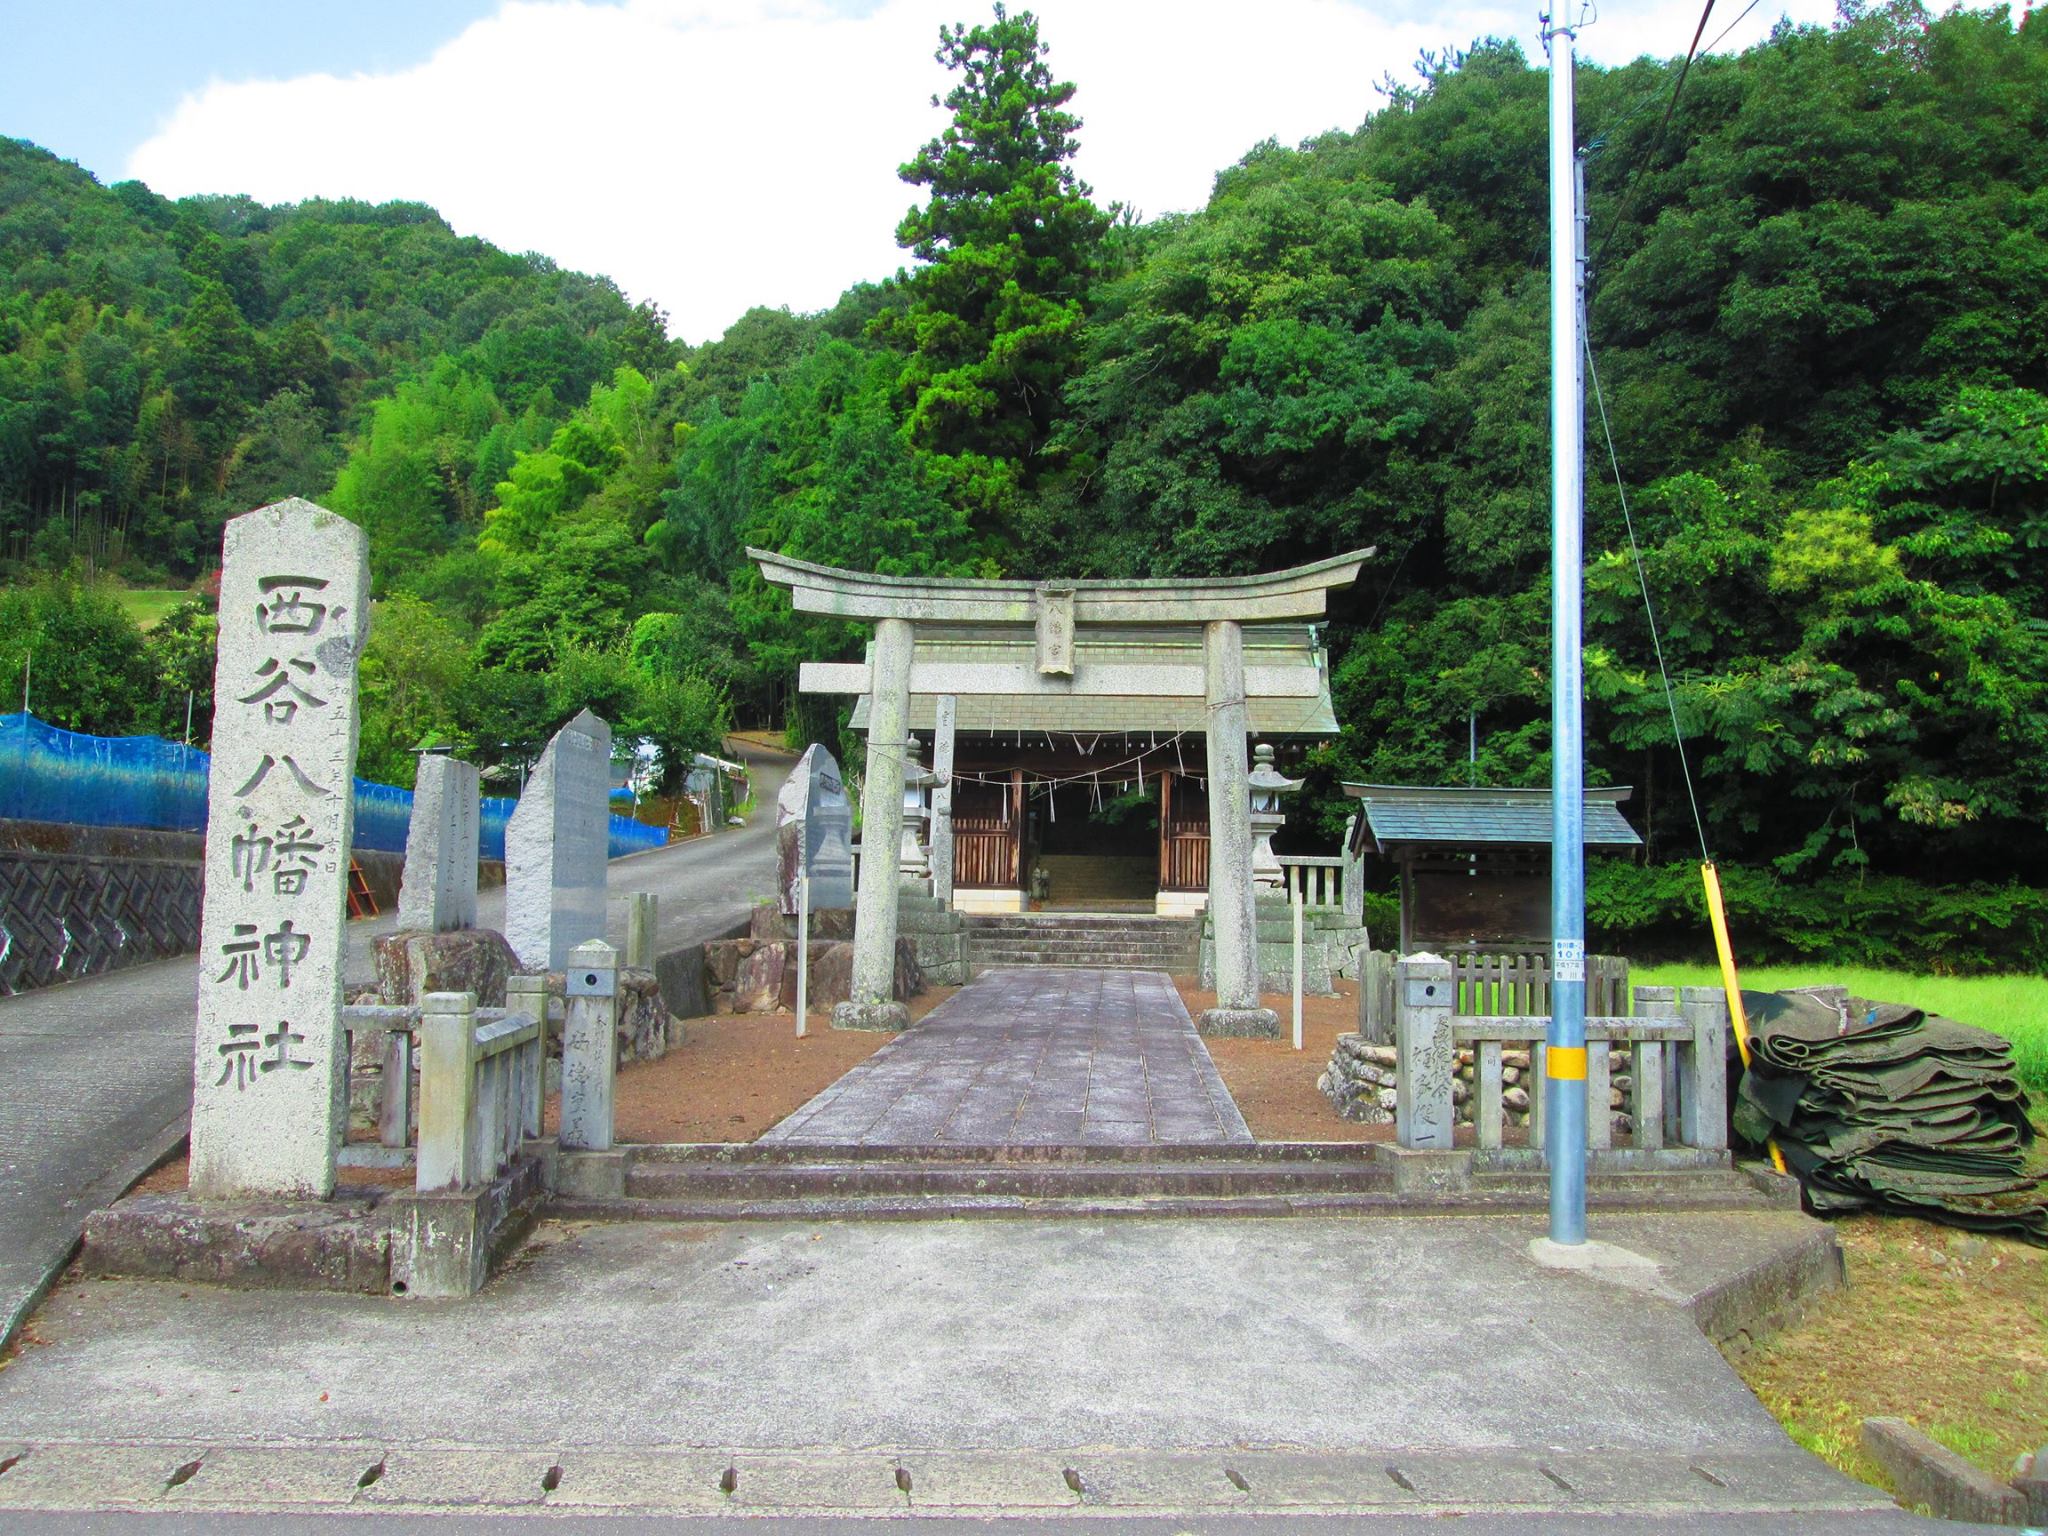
<point>77,901</point>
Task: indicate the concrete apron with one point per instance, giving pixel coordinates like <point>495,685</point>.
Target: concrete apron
<point>1408,1366</point>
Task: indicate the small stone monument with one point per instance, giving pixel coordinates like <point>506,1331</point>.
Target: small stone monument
<point>438,893</point>
<point>556,843</point>
<point>814,831</point>
<point>269,1079</point>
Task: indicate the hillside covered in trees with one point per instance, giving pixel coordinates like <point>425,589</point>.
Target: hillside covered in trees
<point>1819,321</point>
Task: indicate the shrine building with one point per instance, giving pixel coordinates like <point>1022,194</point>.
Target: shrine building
<point>1050,713</point>
<point>1098,800</point>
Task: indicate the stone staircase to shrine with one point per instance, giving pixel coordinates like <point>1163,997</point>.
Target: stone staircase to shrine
<point>1112,939</point>
<point>794,1182</point>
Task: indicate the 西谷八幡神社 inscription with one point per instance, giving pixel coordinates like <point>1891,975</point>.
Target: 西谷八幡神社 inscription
<point>269,1066</point>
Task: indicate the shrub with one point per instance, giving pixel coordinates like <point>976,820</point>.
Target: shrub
<point>1659,912</point>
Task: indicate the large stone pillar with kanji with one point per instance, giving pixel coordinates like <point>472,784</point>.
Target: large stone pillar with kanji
<point>270,1068</point>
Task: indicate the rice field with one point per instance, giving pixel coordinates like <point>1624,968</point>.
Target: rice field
<point>2013,1006</point>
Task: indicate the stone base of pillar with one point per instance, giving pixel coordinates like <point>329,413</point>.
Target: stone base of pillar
<point>1246,1023</point>
<point>889,1016</point>
<point>1424,1173</point>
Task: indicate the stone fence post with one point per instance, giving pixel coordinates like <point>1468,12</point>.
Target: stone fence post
<point>1703,1070</point>
<point>527,995</point>
<point>1424,999</point>
<point>447,1151</point>
<point>590,1049</point>
<point>642,911</point>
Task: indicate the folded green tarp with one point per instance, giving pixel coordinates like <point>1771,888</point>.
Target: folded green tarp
<point>1878,1106</point>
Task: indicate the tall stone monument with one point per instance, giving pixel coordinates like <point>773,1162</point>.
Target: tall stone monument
<point>270,1069</point>
<point>814,832</point>
<point>555,847</point>
<point>438,893</point>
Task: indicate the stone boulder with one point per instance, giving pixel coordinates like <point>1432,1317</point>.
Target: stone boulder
<point>412,962</point>
<point>761,974</point>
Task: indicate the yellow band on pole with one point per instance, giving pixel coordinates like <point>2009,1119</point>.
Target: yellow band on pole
<point>1566,1063</point>
<point>1717,915</point>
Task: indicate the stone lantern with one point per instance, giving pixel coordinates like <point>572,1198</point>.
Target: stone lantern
<point>1267,786</point>
<point>913,863</point>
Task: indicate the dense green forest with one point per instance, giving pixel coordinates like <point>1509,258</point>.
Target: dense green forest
<point>1819,319</point>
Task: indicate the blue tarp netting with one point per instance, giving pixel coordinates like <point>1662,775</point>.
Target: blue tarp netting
<point>51,774</point>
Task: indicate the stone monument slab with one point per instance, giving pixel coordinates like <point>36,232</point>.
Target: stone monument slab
<point>556,842</point>
<point>438,894</point>
<point>270,1072</point>
<point>814,832</point>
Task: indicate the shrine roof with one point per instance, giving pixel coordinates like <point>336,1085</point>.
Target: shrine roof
<point>1287,686</point>
<point>1446,815</point>
<point>1300,592</point>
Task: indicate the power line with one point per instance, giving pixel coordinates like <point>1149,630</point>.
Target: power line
<point>1628,192</point>
<point>1723,35</point>
<point>1649,607</point>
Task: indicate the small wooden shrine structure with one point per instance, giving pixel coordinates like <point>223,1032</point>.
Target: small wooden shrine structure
<point>1474,863</point>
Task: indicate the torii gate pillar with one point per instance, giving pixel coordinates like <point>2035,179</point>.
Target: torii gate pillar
<point>1232,909</point>
<point>872,1003</point>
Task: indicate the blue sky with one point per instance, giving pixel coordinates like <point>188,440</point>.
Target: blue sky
<point>709,155</point>
<point>92,79</point>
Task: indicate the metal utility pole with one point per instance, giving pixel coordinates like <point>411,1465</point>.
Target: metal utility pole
<point>1565,1048</point>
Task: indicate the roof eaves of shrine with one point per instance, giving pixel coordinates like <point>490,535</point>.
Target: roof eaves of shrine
<point>1451,815</point>
<point>1299,593</point>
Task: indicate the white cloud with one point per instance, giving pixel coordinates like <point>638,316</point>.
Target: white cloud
<point>713,155</point>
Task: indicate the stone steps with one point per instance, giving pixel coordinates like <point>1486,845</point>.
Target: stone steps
<point>793,1182</point>
<point>1207,1178</point>
<point>1055,959</point>
<point>1107,940</point>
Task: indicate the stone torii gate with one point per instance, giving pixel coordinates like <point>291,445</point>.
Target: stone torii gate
<point>1220,606</point>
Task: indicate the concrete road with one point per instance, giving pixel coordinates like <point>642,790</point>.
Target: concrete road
<point>96,1075</point>
<point>1523,1523</point>
<point>1398,1366</point>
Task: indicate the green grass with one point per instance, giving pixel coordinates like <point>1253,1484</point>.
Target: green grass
<point>2013,1006</point>
<point>150,606</point>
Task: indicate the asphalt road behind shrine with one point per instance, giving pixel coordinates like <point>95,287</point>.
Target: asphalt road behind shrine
<point>96,1075</point>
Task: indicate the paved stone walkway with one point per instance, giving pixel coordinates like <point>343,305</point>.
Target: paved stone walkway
<point>1034,1056</point>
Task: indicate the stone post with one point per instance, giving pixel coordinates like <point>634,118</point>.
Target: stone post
<point>527,996</point>
<point>438,892</point>
<point>1232,914</point>
<point>872,1003</point>
<point>1428,1059</point>
<point>942,801</point>
<point>1703,1070</point>
<point>556,843</point>
<point>1354,878</point>
<point>590,1047</point>
<point>448,1151</point>
<point>642,912</point>
<point>270,1058</point>
<point>1648,1068</point>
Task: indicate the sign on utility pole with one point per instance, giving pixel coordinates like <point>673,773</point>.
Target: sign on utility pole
<point>1564,1085</point>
